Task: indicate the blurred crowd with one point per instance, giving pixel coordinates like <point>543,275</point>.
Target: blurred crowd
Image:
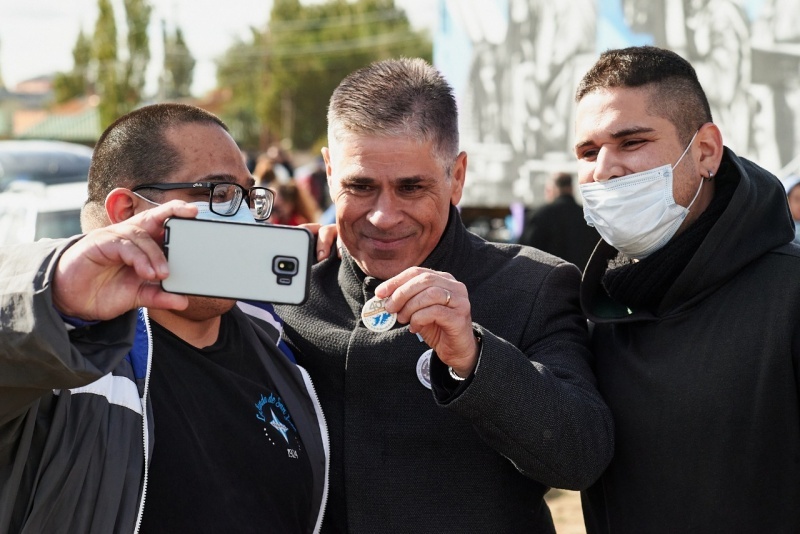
<point>301,192</point>
<point>302,196</point>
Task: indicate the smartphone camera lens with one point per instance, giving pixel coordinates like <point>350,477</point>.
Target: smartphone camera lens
<point>287,266</point>
<point>284,268</point>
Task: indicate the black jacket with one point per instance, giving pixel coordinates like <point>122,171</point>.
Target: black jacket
<point>560,229</point>
<point>480,460</point>
<point>704,389</point>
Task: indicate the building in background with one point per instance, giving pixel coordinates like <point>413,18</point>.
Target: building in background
<point>515,64</point>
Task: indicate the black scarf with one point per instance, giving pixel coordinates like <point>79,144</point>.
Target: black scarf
<point>643,284</point>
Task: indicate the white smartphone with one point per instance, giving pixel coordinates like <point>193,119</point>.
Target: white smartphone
<point>262,262</point>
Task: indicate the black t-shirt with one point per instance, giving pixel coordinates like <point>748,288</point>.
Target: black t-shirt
<point>226,457</point>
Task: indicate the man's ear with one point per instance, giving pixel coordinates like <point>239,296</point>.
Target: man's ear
<point>326,156</point>
<point>121,205</point>
<point>709,141</point>
<point>459,176</point>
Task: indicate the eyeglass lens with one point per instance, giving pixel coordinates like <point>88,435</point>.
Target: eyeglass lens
<point>226,199</point>
<point>260,203</point>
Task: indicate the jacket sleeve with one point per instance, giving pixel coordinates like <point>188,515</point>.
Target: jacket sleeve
<point>37,351</point>
<point>535,401</point>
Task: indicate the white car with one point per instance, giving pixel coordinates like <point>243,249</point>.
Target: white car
<point>31,210</point>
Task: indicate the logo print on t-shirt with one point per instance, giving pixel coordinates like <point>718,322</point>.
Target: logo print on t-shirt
<point>280,427</point>
<point>281,421</point>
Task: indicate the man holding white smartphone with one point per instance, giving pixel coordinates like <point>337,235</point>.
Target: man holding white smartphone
<point>126,408</point>
<point>454,373</point>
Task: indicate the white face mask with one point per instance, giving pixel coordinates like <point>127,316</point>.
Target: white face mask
<point>636,214</point>
<point>244,215</point>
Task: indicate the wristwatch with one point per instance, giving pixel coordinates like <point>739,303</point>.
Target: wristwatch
<point>452,373</point>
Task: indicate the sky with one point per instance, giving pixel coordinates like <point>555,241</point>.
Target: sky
<point>37,36</point>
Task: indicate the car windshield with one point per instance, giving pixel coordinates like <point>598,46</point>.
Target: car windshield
<point>45,162</point>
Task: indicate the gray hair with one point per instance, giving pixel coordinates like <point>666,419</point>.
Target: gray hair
<point>394,98</point>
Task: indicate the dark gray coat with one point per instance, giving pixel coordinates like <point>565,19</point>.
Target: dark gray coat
<point>403,460</point>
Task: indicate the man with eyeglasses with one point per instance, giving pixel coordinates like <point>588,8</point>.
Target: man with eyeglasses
<point>127,409</point>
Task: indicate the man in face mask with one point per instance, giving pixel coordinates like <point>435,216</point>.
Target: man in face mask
<point>694,293</point>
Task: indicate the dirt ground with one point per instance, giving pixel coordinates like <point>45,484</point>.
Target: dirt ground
<point>565,506</point>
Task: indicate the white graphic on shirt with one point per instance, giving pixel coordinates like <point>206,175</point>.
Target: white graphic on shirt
<point>280,427</point>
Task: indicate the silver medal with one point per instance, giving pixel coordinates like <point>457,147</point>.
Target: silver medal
<point>375,316</point>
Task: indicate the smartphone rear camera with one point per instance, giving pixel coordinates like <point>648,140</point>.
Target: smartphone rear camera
<point>284,268</point>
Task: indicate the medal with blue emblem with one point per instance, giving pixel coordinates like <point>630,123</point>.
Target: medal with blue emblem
<point>375,316</point>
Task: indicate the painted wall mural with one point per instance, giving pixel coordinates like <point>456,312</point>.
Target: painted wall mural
<point>515,64</point>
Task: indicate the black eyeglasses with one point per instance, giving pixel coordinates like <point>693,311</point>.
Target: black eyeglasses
<point>225,198</point>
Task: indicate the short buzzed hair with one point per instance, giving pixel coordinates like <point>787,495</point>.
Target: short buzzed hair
<point>393,98</point>
<point>676,92</point>
<point>134,150</point>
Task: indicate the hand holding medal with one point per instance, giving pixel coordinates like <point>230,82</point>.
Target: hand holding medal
<point>435,306</point>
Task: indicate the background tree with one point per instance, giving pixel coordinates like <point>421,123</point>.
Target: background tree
<point>242,72</point>
<point>104,55</point>
<point>178,66</point>
<point>2,84</point>
<point>304,53</point>
<point>69,85</point>
<point>137,16</point>
<point>120,81</point>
